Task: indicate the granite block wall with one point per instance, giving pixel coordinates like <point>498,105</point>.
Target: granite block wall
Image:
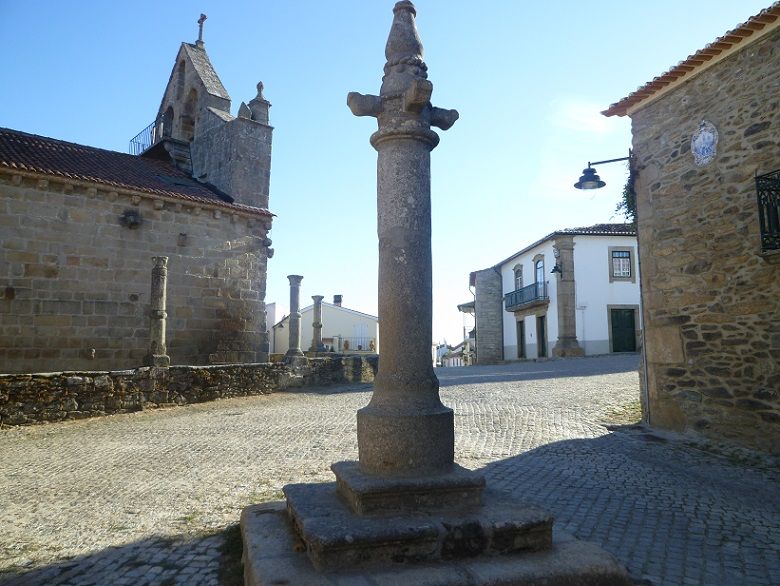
<point>75,277</point>
<point>488,309</point>
<point>36,398</point>
<point>711,298</point>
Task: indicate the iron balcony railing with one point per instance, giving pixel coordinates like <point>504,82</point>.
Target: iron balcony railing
<point>526,295</point>
<point>151,135</point>
<point>768,193</point>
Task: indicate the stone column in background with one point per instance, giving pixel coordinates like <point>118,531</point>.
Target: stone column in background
<point>567,344</point>
<point>405,429</point>
<point>316,341</point>
<point>158,352</point>
<point>294,354</point>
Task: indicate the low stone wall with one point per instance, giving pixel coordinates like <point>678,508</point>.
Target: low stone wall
<point>35,398</point>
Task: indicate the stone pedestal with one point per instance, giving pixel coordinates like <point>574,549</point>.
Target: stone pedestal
<point>405,513</point>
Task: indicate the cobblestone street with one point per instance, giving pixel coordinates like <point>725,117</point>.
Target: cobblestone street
<point>145,498</point>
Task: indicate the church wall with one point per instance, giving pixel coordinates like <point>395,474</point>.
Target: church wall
<point>711,300</point>
<point>75,282</point>
<point>234,156</point>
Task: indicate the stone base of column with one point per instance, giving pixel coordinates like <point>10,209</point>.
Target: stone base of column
<point>160,360</point>
<point>295,358</point>
<point>317,540</point>
<point>367,494</point>
<point>406,441</point>
<point>567,348</point>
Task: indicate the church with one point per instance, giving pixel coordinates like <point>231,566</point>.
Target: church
<point>80,226</point>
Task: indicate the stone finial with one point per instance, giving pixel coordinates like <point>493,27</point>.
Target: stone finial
<point>259,106</point>
<point>244,111</point>
<point>403,106</point>
<point>404,52</point>
<point>403,43</point>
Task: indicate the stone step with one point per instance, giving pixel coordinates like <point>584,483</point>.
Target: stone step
<point>368,494</point>
<point>337,539</point>
<point>274,554</point>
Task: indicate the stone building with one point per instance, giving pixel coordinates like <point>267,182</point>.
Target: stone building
<point>575,292</point>
<point>707,154</point>
<point>79,225</point>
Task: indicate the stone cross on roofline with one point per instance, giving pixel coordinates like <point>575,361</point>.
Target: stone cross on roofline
<point>201,20</point>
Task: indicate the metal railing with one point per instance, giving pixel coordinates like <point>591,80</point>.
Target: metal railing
<point>529,294</point>
<point>152,134</point>
<point>768,194</point>
<point>358,344</point>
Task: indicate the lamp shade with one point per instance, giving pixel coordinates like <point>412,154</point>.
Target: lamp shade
<point>589,180</point>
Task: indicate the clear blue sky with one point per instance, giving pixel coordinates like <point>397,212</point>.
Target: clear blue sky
<point>528,78</point>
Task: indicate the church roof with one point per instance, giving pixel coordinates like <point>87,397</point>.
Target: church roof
<point>751,30</point>
<point>37,154</point>
<point>202,63</point>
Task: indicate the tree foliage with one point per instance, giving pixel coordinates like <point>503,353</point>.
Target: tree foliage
<point>627,204</point>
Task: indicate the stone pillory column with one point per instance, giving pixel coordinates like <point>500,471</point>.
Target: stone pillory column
<point>405,429</point>
<point>316,341</point>
<point>294,355</point>
<point>406,503</point>
<point>158,352</point>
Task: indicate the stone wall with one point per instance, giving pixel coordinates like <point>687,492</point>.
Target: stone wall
<point>488,311</point>
<point>711,300</point>
<point>75,281</point>
<point>34,398</point>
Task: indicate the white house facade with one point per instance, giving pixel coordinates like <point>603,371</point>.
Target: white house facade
<point>575,292</point>
<point>343,330</point>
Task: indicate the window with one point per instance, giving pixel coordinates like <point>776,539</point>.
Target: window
<point>621,264</point>
<point>518,277</point>
<point>539,275</point>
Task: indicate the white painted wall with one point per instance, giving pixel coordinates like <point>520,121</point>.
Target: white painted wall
<point>336,321</point>
<point>529,277</point>
<point>593,293</point>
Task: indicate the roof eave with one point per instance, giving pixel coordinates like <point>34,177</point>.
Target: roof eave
<point>747,33</point>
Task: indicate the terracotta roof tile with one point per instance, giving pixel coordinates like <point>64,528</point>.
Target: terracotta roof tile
<point>732,38</point>
<point>595,230</point>
<point>32,153</point>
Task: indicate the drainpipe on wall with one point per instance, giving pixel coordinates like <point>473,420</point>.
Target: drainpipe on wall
<point>645,389</point>
<point>645,369</point>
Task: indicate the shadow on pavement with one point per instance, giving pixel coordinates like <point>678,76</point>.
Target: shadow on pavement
<point>671,514</point>
<point>158,561</point>
<point>538,370</point>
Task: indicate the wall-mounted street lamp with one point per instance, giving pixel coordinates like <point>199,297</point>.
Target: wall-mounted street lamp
<point>589,179</point>
<point>557,269</point>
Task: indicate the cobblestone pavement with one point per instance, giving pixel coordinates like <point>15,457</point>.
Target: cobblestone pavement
<point>144,498</point>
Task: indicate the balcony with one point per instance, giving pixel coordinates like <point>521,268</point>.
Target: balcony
<point>768,192</point>
<point>534,294</point>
